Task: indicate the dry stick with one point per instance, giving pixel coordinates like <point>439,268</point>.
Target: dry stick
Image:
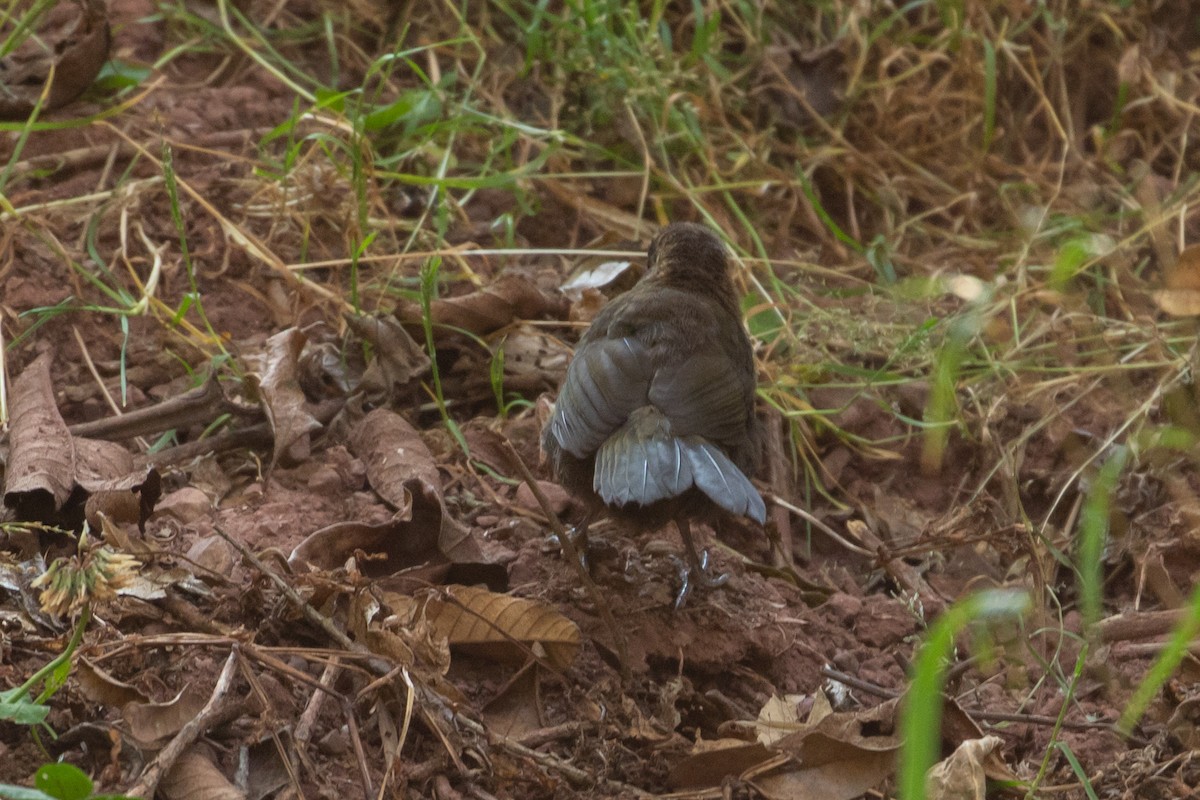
<point>248,438</point>
<point>199,405</point>
<point>445,708</point>
<point>572,555</point>
<point>188,734</point>
<point>308,719</point>
<point>976,714</point>
<point>821,526</point>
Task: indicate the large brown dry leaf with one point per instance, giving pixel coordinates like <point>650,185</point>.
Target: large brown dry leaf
<point>283,399</point>
<point>516,710</point>
<point>402,471</point>
<point>102,688</point>
<point>50,474</point>
<point>509,299</point>
<point>399,465</point>
<point>500,626</point>
<point>73,65</point>
<point>116,488</point>
<point>41,461</point>
<point>717,760</point>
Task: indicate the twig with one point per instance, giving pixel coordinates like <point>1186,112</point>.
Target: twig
<point>189,733</point>
<point>821,526</point>
<point>571,555</point>
<point>975,714</point>
<point>199,405</point>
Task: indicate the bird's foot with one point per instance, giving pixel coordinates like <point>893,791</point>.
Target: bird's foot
<point>697,574</point>
<point>579,541</point>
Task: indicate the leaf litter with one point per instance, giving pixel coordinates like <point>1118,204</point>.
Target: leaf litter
<point>343,621</point>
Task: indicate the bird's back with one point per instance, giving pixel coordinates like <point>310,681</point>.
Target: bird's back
<point>657,408</point>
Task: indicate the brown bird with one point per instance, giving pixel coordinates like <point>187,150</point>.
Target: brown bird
<point>655,419</point>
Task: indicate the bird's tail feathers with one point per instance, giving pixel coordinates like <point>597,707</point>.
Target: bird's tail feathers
<point>644,463</point>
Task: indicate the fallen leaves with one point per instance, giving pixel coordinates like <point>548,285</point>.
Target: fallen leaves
<point>55,78</point>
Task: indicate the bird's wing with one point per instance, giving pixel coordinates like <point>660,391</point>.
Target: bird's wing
<point>608,379</point>
<point>705,394</point>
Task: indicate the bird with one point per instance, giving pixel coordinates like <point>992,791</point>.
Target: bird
<point>655,421</point>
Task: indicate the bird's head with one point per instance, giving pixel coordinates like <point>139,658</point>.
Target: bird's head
<point>692,257</point>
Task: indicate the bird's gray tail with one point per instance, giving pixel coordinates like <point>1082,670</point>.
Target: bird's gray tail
<point>643,463</point>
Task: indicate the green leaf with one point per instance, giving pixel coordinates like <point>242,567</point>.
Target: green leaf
<point>23,712</point>
<point>117,75</point>
<point>63,781</point>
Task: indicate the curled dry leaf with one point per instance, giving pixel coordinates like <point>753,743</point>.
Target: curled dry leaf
<point>398,361</point>
<point>962,775</point>
<point>152,723</point>
<point>116,487</point>
<point>41,462</point>
<point>398,463</point>
<point>50,474</point>
<point>1180,295</point>
<point>402,471</point>
<point>102,688</point>
<point>533,359</point>
<point>72,65</point>
<point>406,544</point>
<point>510,298</point>
<point>500,626</point>
<point>606,275</point>
<point>840,756</point>
<point>282,398</point>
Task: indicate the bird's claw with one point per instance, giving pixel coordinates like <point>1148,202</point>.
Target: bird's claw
<point>691,575</point>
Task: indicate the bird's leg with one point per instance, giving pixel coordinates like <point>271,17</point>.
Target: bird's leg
<point>696,570</point>
<point>579,539</point>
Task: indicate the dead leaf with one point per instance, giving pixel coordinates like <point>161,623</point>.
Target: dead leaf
<point>533,359</point>
<point>398,462</point>
<point>511,298</point>
<point>599,277</point>
<point>961,776</point>
<point>282,398</point>
<point>840,757</point>
<point>195,776</point>
<point>778,717</point>
<point>115,486</point>
<point>41,461</point>
<point>515,711</point>
<point>1180,296</point>
<point>716,760</point>
<point>150,723</point>
<point>500,626</point>
<point>72,65</point>
<point>405,543</point>
<point>102,688</point>
<point>398,361</point>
